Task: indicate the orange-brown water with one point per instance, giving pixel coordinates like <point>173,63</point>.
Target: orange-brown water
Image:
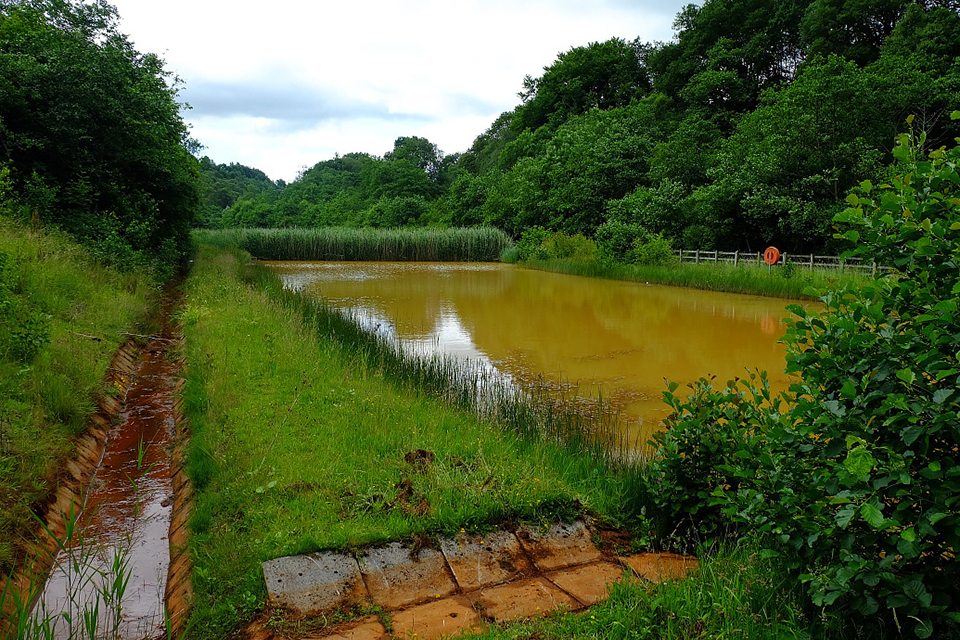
<point>617,338</point>
<point>125,518</point>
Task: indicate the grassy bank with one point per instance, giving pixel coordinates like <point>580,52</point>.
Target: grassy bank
<point>62,316</point>
<point>792,283</point>
<point>308,438</point>
<point>478,244</point>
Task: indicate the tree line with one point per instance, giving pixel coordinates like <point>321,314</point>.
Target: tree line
<point>748,128</point>
<point>91,135</point>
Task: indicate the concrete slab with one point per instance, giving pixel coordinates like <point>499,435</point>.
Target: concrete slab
<point>562,545</point>
<point>587,583</point>
<point>438,619</point>
<point>530,598</point>
<point>315,582</point>
<point>396,579</point>
<point>368,628</point>
<point>660,567</point>
<point>481,561</point>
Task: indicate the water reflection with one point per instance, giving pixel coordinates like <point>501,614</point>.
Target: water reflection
<point>621,339</point>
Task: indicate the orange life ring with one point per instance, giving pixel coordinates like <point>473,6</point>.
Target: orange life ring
<point>771,255</point>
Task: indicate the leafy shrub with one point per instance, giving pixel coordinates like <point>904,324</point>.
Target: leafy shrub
<point>857,484</point>
<point>714,441</point>
<point>530,246</point>
<point>653,250</point>
<point>562,246</point>
<point>23,331</point>
<point>616,240</point>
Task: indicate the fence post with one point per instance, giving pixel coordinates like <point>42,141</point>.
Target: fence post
<point>697,259</point>
<point>811,262</point>
<point>736,257</point>
<point>873,269</point>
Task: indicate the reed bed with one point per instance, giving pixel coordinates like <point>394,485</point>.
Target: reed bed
<point>474,244</point>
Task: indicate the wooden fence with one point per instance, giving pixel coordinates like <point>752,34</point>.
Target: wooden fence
<point>801,261</point>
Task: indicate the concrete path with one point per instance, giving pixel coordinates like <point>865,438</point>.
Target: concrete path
<point>462,585</point>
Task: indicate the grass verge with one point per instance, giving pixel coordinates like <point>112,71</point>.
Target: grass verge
<point>63,316</point>
<point>792,284</point>
<point>307,438</point>
<point>474,244</point>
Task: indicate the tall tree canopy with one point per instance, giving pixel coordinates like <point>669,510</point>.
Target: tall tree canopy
<point>746,129</point>
<point>91,131</point>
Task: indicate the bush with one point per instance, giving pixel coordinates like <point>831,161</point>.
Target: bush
<point>857,484</point>
<point>652,250</point>
<point>530,246</point>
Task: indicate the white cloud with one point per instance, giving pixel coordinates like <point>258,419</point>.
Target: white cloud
<point>284,84</point>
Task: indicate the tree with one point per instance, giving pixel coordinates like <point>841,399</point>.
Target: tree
<point>602,75</point>
<point>91,129</point>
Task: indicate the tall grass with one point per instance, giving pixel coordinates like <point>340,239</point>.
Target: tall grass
<point>46,399</point>
<point>794,284</point>
<point>478,244</point>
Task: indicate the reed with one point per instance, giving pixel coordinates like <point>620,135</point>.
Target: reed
<point>475,244</point>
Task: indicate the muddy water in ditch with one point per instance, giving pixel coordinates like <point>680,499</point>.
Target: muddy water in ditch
<point>618,339</point>
<point>117,561</point>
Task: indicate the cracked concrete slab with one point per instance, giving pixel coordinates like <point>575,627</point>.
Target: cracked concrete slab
<point>480,561</point>
<point>562,545</point>
<point>442,618</point>
<point>314,582</point>
<point>395,577</point>
<point>587,583</point>
<point>660,567</point>
<point>369,628</point>
<point>529,598</point>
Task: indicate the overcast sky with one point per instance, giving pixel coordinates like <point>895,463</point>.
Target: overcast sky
<point>284,84</point>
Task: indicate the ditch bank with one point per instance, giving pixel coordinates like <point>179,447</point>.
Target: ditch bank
<point>112,537</point>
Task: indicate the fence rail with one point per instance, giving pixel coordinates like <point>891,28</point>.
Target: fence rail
<point>803,261</point>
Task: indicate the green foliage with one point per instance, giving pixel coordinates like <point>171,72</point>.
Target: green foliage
<point>653,250</point>
<point>853,476</point>
<point>530,246</point>
<point>61,318</point>
<point>477,244</point>
<point>23,331</point>
<point>91,130</point>
<point>602,75</point>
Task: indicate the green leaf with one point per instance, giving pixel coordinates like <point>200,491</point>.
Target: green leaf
<point>859,463</point>
<point>835,408</point>
<point>906,375</point>
<point>924,629</point>
<point>910,433</point>
<point>940,395</point>
<point>872,515</point>
<point>909,534</point>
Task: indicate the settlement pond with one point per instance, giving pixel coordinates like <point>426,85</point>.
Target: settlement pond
<point>583,335</point>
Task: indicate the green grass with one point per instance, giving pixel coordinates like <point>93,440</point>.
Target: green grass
<point>744,278</point>
<point>302,426</point>
<point>478,244</point>
<point>45,398</point>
